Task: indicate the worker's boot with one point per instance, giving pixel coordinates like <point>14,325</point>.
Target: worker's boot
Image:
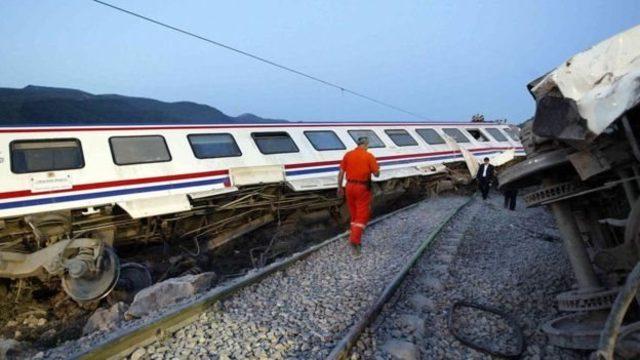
<point>355,250</point>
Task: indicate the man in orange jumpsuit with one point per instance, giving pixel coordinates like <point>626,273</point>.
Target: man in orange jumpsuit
<point>358,164</point>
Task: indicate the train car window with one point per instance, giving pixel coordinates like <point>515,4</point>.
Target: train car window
<point>497,134</point>
<point>513,134</point>
<point>323,140</point>
<point>274,143</point>
<point>457,135</point>
<point>430,136</point>
<point>207,146</point>
<point>29,156</point>
<point>401,137</point>
<point>478,135</point>
<point>374,140</point>
<point>130,150</point>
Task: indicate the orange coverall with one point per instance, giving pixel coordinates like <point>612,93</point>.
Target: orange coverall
<point>358,165</point>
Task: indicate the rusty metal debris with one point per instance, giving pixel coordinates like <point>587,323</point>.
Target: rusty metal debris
<point>583,155</point>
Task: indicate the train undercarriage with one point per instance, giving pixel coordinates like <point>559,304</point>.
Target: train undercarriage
<point>583,155</point>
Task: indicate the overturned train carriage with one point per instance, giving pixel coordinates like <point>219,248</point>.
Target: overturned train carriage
<point>73,197</point>
<point>583,153</point>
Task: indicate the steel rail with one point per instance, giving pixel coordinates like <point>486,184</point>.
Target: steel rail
<point>123,342</point>
<point>342,348</point>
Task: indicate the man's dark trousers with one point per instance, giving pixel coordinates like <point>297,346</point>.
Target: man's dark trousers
<point>484,176</point>
<point>484,187</point>
<point>510,199</point>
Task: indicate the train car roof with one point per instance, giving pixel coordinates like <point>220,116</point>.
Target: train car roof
<point>170,126</point>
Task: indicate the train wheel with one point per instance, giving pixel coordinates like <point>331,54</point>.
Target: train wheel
<point>133,278</point>
<point>96,284</point>
<point>614,329</point>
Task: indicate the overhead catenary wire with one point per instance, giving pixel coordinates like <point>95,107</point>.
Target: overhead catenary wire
<point>261,59</point>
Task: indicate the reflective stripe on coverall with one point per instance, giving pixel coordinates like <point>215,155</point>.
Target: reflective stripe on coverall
<point>358,165</point>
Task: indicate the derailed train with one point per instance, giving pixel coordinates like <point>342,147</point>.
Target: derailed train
<point>583,149</point>
<point>72,194</point>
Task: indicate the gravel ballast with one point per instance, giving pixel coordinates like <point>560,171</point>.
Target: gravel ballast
<point>513,261</point>
<point>298,312</point>
<point>510,260</point>
<point>302,311</point>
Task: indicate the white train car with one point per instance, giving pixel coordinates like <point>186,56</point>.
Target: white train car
<point>70,192</point>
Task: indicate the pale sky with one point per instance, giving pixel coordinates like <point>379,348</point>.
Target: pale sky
<point>444,59</point>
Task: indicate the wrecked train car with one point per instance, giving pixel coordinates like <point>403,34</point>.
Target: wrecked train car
<point>583,150</point>
<point>73,196</point>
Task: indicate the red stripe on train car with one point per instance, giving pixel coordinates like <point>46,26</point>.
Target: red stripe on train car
<point>115,183</point>
<point>393,157</point>
<point>106,184</point>
<point>380,158</point>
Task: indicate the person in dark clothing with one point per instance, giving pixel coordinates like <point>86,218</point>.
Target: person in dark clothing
<point>484,176</point>
<point>510,195</point>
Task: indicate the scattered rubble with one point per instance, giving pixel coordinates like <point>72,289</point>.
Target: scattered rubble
<point>168,292</point>
<point>10,348</point>
<point>33,321</point>
<point>401,350</point>
<point>420,303</point>
<point>105,319</point>
<point>412,324</point>
<point>138,354</point>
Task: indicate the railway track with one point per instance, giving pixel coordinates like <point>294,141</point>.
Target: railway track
<point>342,348</point>
<point>485,260</point>
<point>147,338</point>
